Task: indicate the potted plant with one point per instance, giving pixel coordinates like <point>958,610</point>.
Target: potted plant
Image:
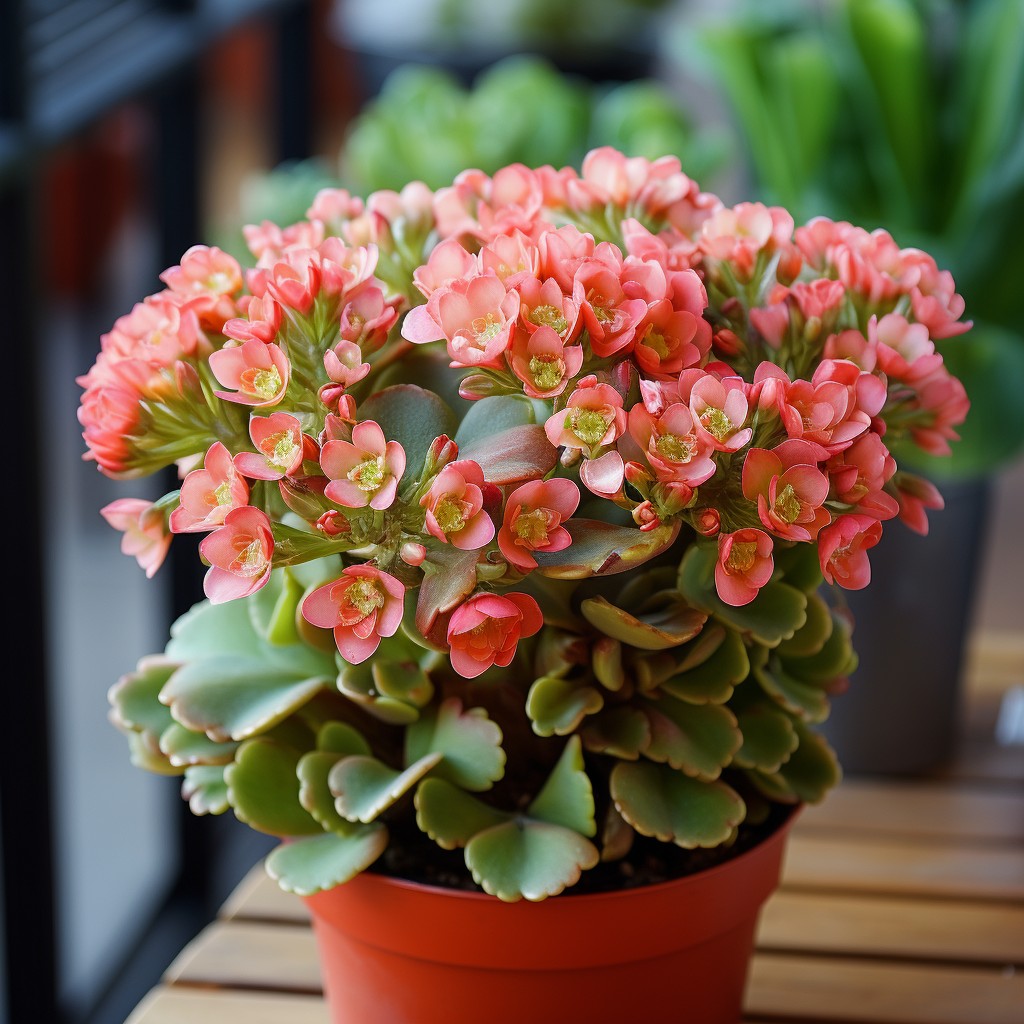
<point>519,501</point>
<point>848,109</point>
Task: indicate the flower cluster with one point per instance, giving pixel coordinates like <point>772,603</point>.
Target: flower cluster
<point>563,420</point>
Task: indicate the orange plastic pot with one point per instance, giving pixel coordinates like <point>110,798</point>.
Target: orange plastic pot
<point>395,952</point>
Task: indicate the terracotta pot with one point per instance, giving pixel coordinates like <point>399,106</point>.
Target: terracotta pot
<point>395,952</point>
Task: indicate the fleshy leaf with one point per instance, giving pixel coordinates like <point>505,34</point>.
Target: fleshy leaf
<point>606,661</point>
<point>357,683</point>
<point>668,627</point>
<point>184,747</point>
<point>364,787</point>
<point>404,681</point>
<point>557,706</point>
<point>769,738</point>
<point>512,455</point>
<point>144,753</point>
<point>490,416</point>
<point>813,634</point>
<point>274,606</point>
<point>205,789</point>
<point>713,680</point>
<point>468,741</point>
<point>341,738</point>
<point>263,788</point>
<point>412,416</point>
<point>450,816</point>
<point>567,798</point>
<point>232,697</point>
<point>617,836</point>
<point>135,699</point>
<point>835,659</point>
<point>621,731</point>
<point>531,860</point>
<point>799,565</point>
<point>308,866</point>
<point>658,801</point>
<point>603,549</point>
<point>813,769</point>
<point>315,794</point>
<point>449,576</point>
<point>777,612</point>
<point>806,700</point>
<point>698,739</point>
<point>212,629</point>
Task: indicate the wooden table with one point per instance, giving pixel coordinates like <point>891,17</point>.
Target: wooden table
<point>902,903</point>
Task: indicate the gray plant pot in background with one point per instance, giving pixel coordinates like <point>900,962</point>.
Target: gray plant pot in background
<point>901,713</point>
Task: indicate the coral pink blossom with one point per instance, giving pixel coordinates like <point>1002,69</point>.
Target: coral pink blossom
<point>261,320</point>
<point>364,471</point>
<point>944,405</point>
<point>843,547</point>
<point>109,416</point>
<point>544,304</point>
<point>593,418</point>
<point>477,318</point>
<point>543,362</point>
<point>789,489</point>
<point>206,279</point>
<point>905,352</point>
<point>744,565</point>
<point>454,506</point>
<point>259,373</point>
<point>280,447</point>
<point>486,629</point>
<point>719,411</point>
<point>916,495</point>
<point>674,448</point>
<point>239,554</point>
<point>361,606</point>
<point>366,318</point>
<point>669,340</point>
<point>609,314</point>
<point>146,537</point>
<point>345,364</point>
<point>858,473</point>
<point>534,514</point>
<point>209,494</point>
<point>158,331</point>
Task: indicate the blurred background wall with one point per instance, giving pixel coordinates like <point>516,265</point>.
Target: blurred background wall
<point>130,129</point>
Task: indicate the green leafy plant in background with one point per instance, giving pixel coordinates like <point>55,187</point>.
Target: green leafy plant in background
<point>907,114</point>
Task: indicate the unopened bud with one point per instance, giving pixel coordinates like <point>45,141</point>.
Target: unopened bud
<point>412,553</point>
<point>645,516</point>
<point>707,522</point>
<point>333,523</point>
<point>441,452</point>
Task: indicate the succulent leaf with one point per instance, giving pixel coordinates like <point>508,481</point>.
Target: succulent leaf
<point>769,738</point>
<point>364,787</point>
<point>812,636</point>
<point>403,681</point>
<point>620,731</point>
<point>450,816</point>
<point>807,700</point>
<point>513,455</point>
<point>449,576</point>
<point>135,699</point>
<point>315,794</point>
<point>310,865</point>
<point>697,739</point>
<point>263,788</point>
<point>357,683</point>
<point>813,769</point>
<point>713,679</point>
<point>567,797</point>
<point>205,789</point>
<point>667,627</point>
<point>185,747</point>
<point>341,738</point>
<point>468,741</point>
<point>557,706</point>
<point>490,416</point>
<point>603,549</point>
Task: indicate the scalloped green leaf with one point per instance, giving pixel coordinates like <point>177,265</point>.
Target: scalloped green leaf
<point>308,866</point>
<point>341,738</point>
<point>468,741</point>
<point>659,630</point>
<point>144,753</point>
<point>617,836</point>
<point>449,576</point>
<point>212,629</point>
<point>450,816</point>
<point>812,636</point>
<point>357,683</point>
<point>557,706</point>
<point>567,797</point>
<point>704,645</point>
<point>413,417</point>
<point>531,860</point>
<point>713,679</point>
<point>809,701</point>
<point>697,739</point>
<point>777,612</point>
<point>658,801</point>
<point>835,659</point>
<point>364,787</point>
<point>620,731</point>
<point>135,699</point>
<point>315,793</point>
<point>263,788</point>
<point>184,747</point>
<point>512,455</point>
<point>205,789</point>
<point>769,738</point>
<point>492,415</point>
<point>404,681</point>
<point>799,564</point>
<point>604,549</point>
<point>274,607</point>
<point>232,697</point>
<point>813,769</point>
<point>606,661</point>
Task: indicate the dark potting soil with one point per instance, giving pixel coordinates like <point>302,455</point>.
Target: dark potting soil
<point>415,858</point>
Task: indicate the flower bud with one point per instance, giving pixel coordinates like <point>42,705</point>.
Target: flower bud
<point>442,451</point>
<point>333,523</point>
<point>645,516</point>
<point>412,553</point>
<point>707,522</point>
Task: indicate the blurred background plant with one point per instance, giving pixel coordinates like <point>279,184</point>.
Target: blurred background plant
<point>902,114</point>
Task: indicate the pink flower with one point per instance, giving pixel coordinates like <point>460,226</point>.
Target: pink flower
<point>593,418</point>
<point>209,494</point>
<point>486,629</point>
<point>280,447</point>
<point>239,554</point>
<point>719,410</point>
<point>669,340</point>
<point>477,318</point>
<point>534,514</point>
<point>344,364</point>
<point>206,279</point>
<point>858,474</point>
<point>259,373</point>
<point>364,471</point>
<point>543,362</point>
<point>843,547</point>
<point>915,495</point>
<point>361,606</point>
<point>744,565</point>
<point>261,320</point>
<point>366,318</point>
<point>109,416</point>
<point>544,304</point>
<point>454,507</point>
<point>789,489</point>
<point>610,315</point>
<point>905,352</point>
<point>145,531</point>
<point>674,448</point>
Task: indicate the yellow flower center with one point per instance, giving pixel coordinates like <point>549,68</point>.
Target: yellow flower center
<point>533,527</point>
<point>369,475</point>
<point>222,494</point>
<point>450,515</point>
<point>364,597</point>
<point>485,328</point>
<point>655,340</point>
<point>742,555</point>
<point>716,423</point>
<point>261,383</point>
<point>280,448</point>
<point>675,448</point>
<point>589,426</point>
<point>549,316</point>
<point>547,372</point>
<point>250,561</point>
<point>787,504</point>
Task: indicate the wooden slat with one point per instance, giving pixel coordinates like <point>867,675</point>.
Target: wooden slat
<point>903,867</point>
<point>929,809</point>
<point>180,1005</point>
<point>880,927</point>
<point>840,991</point>
<point>246,955</point>
<point>259,897</point>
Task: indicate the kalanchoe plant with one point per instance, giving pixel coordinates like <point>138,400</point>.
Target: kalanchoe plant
<point>518,498</point>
